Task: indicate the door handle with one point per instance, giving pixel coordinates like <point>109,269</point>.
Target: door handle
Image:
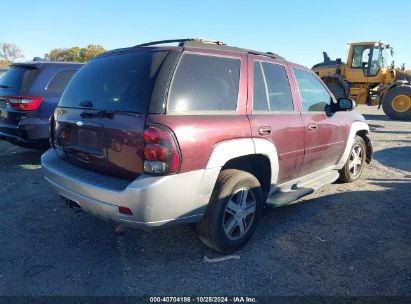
<point>312,127</point>
<point>264,131</point>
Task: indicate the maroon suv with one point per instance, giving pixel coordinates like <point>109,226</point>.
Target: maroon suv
<point>202,133</point>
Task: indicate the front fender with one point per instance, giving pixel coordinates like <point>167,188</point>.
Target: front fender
<point>356,127</point>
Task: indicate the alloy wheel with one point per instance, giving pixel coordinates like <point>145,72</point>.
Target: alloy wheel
<point>356,160</point>
<point>239,213</point>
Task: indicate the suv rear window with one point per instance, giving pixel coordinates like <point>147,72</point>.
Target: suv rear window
<point>204,84</point>
<point>59,82</point>
<point>122,82</point>
<point>18,79</point>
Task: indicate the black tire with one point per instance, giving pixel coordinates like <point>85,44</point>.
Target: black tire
<point>336,89</point>
<point>347,174</point>
<point>388,103</point>
<point>230,185</point>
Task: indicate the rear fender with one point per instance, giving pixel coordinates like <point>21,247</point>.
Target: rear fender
<point>233,148</point>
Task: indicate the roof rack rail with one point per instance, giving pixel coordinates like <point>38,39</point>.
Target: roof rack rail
<point>202,40</point>
<point>266,54</point>
<point>211,44</point>
<point>181,41</point>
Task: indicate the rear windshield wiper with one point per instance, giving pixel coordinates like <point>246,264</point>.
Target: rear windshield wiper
<point>86,104</point>
<point>4,86</point>
<point>100,114</point>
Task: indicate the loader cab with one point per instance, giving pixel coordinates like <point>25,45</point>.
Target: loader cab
<point>371,58</point>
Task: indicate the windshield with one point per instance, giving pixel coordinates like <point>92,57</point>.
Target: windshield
<point>376,60</point>
<point>118,82</point>
<point>17,79</point>
<point>387,57</point>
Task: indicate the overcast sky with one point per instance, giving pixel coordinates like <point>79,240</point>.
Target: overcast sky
<point>297,30</point>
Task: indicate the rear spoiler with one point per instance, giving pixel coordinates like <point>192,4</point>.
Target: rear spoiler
<point>38,64</point>
<point>25,65</point>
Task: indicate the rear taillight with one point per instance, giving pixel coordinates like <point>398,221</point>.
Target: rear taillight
<point>24,103</point>
<point>161,153</point>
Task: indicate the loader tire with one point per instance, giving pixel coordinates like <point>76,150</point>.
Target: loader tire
<point>397,103</point>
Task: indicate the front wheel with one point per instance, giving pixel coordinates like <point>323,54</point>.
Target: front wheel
<point>233,213</point>
<point>355,163</point>
<point>397,103</point>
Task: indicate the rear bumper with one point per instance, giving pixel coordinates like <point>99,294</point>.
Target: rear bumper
<point>29,133</point>
<point>154,200</point>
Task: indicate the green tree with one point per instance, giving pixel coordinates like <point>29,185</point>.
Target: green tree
<point>75,53</point>
<point>57,55</point>
<point>91,51</point>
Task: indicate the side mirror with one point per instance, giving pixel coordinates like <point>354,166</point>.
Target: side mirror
<point>345,104</point>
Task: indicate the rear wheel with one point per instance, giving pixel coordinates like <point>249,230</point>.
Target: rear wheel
<point>233,213</point>
<point>397,103</point>
<point>355,163</point>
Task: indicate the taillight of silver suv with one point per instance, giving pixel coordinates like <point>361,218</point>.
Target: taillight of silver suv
<point>161,152</point>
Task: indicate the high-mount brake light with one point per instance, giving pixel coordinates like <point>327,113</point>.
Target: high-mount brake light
<point>161,154</point>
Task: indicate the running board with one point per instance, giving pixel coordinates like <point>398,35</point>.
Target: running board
<point>291,192</point>
<point>282,198</point>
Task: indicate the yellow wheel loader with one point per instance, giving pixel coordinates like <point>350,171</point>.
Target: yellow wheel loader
<point>369,77</point>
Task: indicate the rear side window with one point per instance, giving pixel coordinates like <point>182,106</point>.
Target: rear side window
<point>18,79</point>
<point>271,88</point>
<point>59,82</point>
<point>117,82</point>
<point>314,96</point>
<point>260,96</point>
<point>204,84</point>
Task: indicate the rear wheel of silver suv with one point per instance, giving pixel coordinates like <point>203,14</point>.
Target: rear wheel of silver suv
<point>233,212</point>
<point>355,162</point>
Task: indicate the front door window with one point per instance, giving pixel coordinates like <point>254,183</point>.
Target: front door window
<point>314,96</point>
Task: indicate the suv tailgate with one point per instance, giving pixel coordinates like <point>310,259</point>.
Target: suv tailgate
<point>17,81</point>
<point>113,146</point>
<point>100,120</point>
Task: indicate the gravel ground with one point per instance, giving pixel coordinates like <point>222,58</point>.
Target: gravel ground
<point>346,239</point>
